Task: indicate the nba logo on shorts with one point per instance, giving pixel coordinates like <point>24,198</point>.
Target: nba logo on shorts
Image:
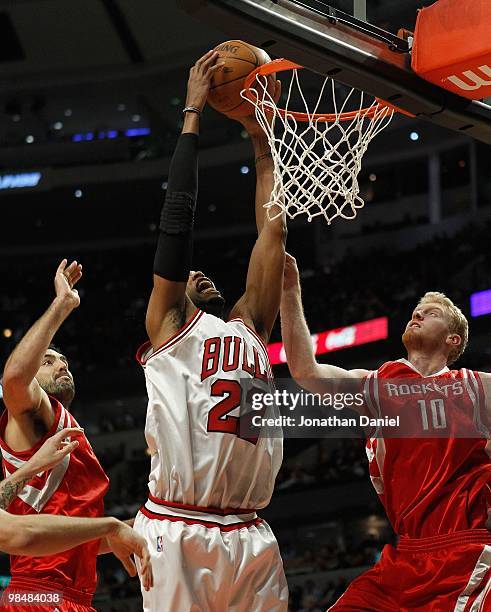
<point>160,543</point>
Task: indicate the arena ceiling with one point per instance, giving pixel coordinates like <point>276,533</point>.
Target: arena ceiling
<point>48,41</point>
<point>95,65</point>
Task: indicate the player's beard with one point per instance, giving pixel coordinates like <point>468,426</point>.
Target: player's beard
<point>61,389</point>
<point>414,341</point>
<point>407,337</point>
<point>411,340</point>
<point>214,306</point>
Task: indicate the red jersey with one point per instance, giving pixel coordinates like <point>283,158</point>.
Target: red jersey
<point>430,484</point>
<point>75,487</point>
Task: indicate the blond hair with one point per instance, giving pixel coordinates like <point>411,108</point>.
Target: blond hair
<point>457,323</point>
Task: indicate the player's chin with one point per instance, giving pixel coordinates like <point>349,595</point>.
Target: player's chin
<point>411,335</point>
<point>407,336</point>
<point>213,303</point>
<point>64,391</point>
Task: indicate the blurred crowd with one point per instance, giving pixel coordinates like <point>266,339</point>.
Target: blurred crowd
<point>343,463</point>
<point>330,556</point>
<point>316,597</point>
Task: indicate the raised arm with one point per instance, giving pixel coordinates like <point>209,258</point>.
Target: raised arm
<point>315,377</point>
<point>167,305</point>
<point>260,303</point>
<point>21,391</point>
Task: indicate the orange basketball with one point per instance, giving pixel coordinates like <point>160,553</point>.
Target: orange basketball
<point>240,59</point>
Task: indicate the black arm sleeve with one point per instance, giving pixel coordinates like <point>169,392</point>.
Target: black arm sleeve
<point>175,244</point>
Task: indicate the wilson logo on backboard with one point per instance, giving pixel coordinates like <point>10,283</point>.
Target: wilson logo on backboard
<point>451,47</point>
<point>472,81</point>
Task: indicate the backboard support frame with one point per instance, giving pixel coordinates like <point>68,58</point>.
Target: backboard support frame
<point>354,52</point>
<point>360,9</point>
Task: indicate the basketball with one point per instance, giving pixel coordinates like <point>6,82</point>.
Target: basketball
<point>240,59</point>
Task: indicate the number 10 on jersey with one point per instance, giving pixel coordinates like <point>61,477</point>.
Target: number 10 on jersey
<point>433,414</point>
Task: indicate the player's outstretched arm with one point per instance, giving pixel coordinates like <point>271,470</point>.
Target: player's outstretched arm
<point>21,391</point>
<point>260,303</point>
<point>54,450</point>
<point>45,534</point>
<point>172,264</point>
<point>316,377</point>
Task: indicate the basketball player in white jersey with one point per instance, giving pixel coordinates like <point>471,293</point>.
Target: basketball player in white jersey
<point>210,550</point>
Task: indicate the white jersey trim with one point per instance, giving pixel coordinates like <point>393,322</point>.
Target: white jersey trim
<point>478,400</point>
<point>478,574</point>
<point>38,498</point>
<point>410,365</point>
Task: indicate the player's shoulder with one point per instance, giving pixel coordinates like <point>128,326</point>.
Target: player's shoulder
<point>61,418</point>
<point>484,376</point>
<point>246,330</point>
<point>466,373</point>
<point>196,320</point>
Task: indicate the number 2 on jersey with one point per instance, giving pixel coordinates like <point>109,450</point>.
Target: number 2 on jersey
<point>219,419</point>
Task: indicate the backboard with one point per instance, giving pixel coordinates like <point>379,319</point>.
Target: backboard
<point>348,48</point>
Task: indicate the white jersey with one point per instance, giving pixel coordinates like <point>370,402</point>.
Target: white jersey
<point>194,389</point>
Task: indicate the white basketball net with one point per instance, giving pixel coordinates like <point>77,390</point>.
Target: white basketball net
<point>316,163</point>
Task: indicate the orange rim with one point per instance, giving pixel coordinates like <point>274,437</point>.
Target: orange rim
<point>283,65</point>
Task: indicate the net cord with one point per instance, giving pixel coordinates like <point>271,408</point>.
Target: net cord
<point>316,163</point>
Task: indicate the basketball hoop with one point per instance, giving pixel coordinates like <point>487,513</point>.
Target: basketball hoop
<point>317,157</point>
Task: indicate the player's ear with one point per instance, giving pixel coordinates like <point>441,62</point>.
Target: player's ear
<point>454,340</point>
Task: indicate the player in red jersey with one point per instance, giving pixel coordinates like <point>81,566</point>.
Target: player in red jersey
<point>45,534</point>
<point>37,390</point>
<point>434,485</point>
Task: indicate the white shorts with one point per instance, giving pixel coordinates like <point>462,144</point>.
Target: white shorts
<point>206,562</point>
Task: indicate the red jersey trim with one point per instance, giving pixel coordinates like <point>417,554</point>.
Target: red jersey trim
<point>431,544</point>
<point>207,510</point>
<point>207,524</point>
<point>26,454</point>
<point>178,335</point>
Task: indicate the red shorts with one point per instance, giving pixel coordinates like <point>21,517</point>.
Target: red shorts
<point>450,573</point>
<point>39,597</point>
